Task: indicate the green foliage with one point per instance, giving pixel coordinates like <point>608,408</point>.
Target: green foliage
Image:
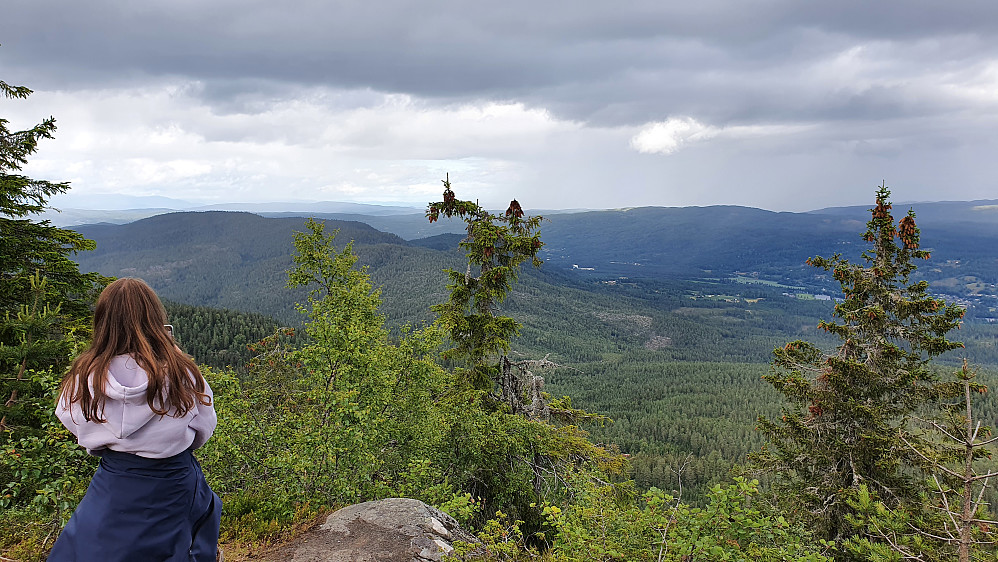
<point>48,471</point>
<point>30,338</point>
<point>461,507</point>
<point>509,462</point>
<point>44,313</point>
<point>44,475</point>
<point>953,520</point>
<point>500,539</point>
<point>24,536</point>
<point>372,398</point>
<point>890,535</point>
<point>848,407</point>
<point>45,471</point>
<point>903,534</point>
<point>346,416</point>
<point>605,523</point>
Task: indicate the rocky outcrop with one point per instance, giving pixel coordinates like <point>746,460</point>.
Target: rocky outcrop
<point>391,530</point>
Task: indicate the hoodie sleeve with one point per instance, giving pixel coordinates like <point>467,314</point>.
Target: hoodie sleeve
<point>204,420</point>
<point>68,414</point>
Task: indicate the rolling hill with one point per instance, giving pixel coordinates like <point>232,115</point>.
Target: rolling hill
<point>666,317</point>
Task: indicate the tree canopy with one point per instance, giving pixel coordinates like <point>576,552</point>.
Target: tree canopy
<point>849,407</point>
<point>44,313</point>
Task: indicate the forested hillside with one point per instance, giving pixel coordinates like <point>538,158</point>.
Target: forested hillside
<point>675,361</point>
<point>239,261</point>
<point>218,337</point>
<point>674,357</point>
<point>654,241</point>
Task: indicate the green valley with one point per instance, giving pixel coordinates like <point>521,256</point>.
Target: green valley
<point>675,358</point>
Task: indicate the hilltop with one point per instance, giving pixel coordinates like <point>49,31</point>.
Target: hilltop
<point>237,259</point>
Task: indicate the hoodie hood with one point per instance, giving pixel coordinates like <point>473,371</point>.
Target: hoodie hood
<point>125,408</point>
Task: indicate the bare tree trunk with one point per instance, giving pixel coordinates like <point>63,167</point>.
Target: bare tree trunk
<point>967,515</point>
<point>961,519</point>
<point>13,395</point>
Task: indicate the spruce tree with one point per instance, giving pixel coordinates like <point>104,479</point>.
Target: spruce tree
<point>847,407</point>
<point>513,445</point>
<point>43,295</point>
<point>44,312</point>
<point>496,246</point>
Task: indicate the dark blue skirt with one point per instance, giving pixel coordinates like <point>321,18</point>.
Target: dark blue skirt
<point>139,509</point>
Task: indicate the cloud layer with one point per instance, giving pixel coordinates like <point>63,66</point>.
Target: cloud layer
<point>562,104</point>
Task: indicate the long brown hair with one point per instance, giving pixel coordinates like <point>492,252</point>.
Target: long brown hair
<point>129,319</point>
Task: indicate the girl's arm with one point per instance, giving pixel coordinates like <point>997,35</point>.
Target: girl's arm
<point>204,420</point>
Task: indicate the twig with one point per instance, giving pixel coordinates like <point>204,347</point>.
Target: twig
<point>663,549</point>
<point>900,549</point>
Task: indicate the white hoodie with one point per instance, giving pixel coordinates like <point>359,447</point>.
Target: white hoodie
<point>131,426</point>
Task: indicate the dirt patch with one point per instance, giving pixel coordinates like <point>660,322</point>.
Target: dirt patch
<point>637,324</point>
<point>634,321</point>
<point>281,550</point>
<point>657,342</point>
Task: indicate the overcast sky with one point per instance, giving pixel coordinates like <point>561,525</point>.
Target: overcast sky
<point>783,105</point>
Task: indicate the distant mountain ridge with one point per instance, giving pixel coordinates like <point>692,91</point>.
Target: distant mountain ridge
<point>239,260</point>
<point>312,207</point>
<point>977,211</point>
<point>224,253</point>
<point>73,210</point>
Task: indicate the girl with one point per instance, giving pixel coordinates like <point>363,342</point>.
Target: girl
<point>141,405</point>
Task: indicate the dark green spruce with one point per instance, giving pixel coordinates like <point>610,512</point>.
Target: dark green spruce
<point>848,406</point>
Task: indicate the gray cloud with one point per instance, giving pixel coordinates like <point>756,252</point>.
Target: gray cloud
<point>861,82</point>
<point>471,49</point>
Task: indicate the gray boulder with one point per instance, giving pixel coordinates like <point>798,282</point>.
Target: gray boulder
<point>391,530</point>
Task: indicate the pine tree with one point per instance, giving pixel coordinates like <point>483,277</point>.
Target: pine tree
<point>36,274</point>
<point>841,429</point>
<point>514,446</point>
<point>43,295</point>
<point>32,339</point>
<point>28,245</point>
<point>44,311</point>
<point>496,246</point>
<point>960,447</point>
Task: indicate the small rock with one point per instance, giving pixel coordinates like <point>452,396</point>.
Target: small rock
<point>439,528</point>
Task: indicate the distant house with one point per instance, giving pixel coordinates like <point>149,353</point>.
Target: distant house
<point>822,298</point>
